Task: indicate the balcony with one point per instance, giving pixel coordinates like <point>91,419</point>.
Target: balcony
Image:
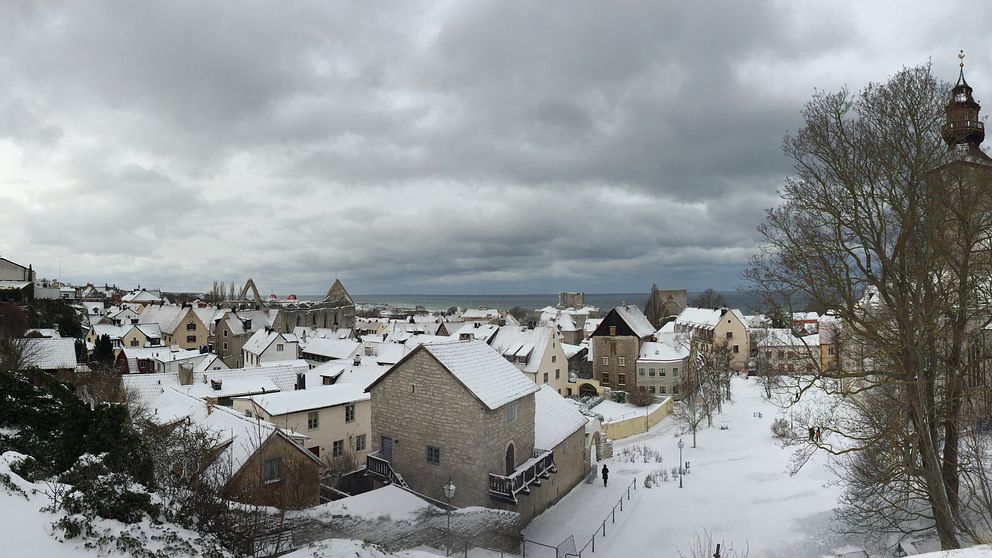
<point>530,473</point>
<point>382,470</point>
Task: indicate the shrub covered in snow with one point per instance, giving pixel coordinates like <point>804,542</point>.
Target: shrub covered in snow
<point>780,428</point>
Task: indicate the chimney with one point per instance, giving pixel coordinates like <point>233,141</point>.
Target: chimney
<point>216,384</point>
<point>185,374</point>
<point>357,360</point>
<point>301,381</point>
<point>210,405</point>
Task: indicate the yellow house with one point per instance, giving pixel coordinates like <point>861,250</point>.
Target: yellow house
<point>336,418</point>
<point>179,324</point>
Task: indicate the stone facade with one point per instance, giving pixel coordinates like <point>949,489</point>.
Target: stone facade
<point>664,305</point>
<point>420,404</point>
<point>571,460</point>
<point>614,362</point>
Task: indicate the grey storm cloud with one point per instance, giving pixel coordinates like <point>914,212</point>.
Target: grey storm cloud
<point>424,146</point>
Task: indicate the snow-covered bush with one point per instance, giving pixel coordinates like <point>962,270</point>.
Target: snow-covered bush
<point>780,428</point>
<point>618,396</point>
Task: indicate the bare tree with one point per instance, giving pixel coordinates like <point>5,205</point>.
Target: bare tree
<point>689,412</point>
<point>882,226</point>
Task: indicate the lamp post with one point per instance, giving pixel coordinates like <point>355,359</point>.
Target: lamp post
<point>449,493</point>
<point>681,445</point>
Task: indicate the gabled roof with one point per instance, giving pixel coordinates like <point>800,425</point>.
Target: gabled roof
<point>317,397</point>
<point>140,296</point>
<point>51,353</point>
<point>484,373</point>
<point>662,352</point>
<point>705,318</point>
<point>167,316</point>
<point>330,348</point>
<point>338,295</point>
<point>636,319</point>
<point>520,342</point>
<point>555,418</point>
<point>262,338</point>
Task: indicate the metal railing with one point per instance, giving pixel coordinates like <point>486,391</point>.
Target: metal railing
<point>599,532</point>
<point>506,488</point>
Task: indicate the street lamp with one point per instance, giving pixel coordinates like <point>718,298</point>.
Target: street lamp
<point>681,445</point>
<point>449,493</point>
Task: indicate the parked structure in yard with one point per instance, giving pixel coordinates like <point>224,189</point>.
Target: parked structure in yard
<point>477,424</point>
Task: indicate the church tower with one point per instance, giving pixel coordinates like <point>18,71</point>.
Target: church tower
<point>963,131</point>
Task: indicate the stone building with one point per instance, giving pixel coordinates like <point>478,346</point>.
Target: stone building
<point>709,328</point>
<point>571,300</point>
<point>336,310</point>
<point>459,411</point>
<point>664,305</point>
<point>616,346</point>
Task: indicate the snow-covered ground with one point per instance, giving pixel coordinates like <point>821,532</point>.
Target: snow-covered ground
<point>738,490</point>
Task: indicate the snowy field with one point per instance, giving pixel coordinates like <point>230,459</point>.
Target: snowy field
<point>738,490</point>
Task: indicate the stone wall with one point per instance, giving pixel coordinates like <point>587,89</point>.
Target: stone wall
<point>620,429</point>
<point>571,460</point>
<point>419,404</point>
<point>612,348</point>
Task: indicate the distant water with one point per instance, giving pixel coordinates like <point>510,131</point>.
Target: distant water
<point>604,301</point>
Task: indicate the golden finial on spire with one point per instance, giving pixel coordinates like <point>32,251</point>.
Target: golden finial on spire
<point>961,57</point>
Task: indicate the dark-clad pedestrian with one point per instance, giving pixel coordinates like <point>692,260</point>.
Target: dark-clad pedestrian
<point>606,474</point>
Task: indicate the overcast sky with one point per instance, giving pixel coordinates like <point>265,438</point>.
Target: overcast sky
<point>406,147</point>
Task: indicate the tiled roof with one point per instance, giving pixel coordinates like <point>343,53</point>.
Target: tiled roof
<point>49,353</point>
<point>493,380</point>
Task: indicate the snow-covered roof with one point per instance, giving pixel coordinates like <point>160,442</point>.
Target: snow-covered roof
<point>262,338</point>
<point>480,313</point>
<point>167,316</point>
<point>783,337</point>
<point>555,418</point>
<point>140,296</point>
<point>13,285</point>
<point>522,343</point>
<point>705,318</point>
<point>486,374</point>
<point>636,319</point>
<point>317,397</point>
<point>149,386</point>
<point>663,352</point>
<point>476,330</point>
<point>48,353</point>
<point>805,316</point>
<point>571,350</point>
<point>330,348</point>
<point>239,436</point>
<point>42,332</point>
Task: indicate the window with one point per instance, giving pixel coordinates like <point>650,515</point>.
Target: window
<point>621,379</point>
<point>613,330</point>
<point>413,388</point>
<point>730,335</point>
<point>545,377</point>
<point>621,361</point>
<point>661,389</point>
<point>511,411</point>
<point>327,380</point>
<point>273,470</point>
<point>768,355</point>
<point>737,349</point>
<point>225,345</point>
<point>675,372</point>
<point>313,420</point>
<point>134,342</point>
<point>830,350</point>
<point>349,413</point>
<point>337,449</point>
<point>279,347</point>
<point>640,371</point>
<point>792,368</point>
<point>675,390</point>
<point>360,442</point>
<point>651,389</point>
<point>606,378</point>
<point>553,357</point>
<point>650,371</point>
<point>191,326</point>
<point>225,333</point>
<point>606,361</point>
<point>191,339</point>
<point>781,354</point>
<point>557,373</point>
<point>433,455</point>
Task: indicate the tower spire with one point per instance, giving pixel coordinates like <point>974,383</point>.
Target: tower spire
<point>962,129</point>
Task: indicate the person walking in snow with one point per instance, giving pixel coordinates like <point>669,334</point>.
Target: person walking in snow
<point>812,434</point>
<point>606,474</point>
<point>817,434</point>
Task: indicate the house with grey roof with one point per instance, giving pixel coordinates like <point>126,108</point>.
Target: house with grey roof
<point>460,411</point>
<point>616,345</point>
